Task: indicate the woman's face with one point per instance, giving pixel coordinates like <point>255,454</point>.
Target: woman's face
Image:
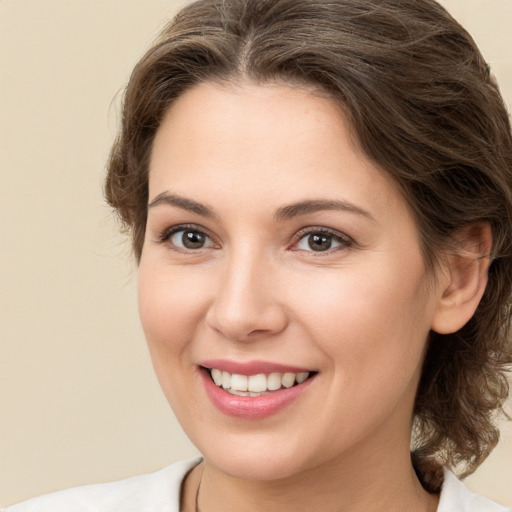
<point>273,247</point>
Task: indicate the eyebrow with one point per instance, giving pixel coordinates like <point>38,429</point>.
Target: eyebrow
<point>183,203</point>
<point>283,213</point>
<point>317,205</point>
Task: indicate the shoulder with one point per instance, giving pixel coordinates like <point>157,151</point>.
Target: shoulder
<point>152,492</point>
<point>456,497</point>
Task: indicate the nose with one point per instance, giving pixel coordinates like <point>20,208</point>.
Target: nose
<point>246,306</point>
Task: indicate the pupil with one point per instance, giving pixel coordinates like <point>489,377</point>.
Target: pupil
<point>320,242</point>
<point>193,240</point>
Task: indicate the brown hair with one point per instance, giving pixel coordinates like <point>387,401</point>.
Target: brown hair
<point>423,106</point>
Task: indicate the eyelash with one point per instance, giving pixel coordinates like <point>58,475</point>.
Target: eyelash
<point>165,236</point>
<point>345,241</point>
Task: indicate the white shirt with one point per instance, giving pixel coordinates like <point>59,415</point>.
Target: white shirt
<point>160,492</point>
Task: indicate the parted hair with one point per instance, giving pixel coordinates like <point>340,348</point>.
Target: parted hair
<point>423,105</point>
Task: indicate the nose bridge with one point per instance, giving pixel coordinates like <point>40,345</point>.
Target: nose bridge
<point>246,303</point>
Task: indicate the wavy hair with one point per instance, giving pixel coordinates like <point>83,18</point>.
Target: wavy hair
<point>423,106</point>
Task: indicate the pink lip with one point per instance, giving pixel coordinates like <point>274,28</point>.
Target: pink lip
<point>251,367</point>
<point>251,408</point>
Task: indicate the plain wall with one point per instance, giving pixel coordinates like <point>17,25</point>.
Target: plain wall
<point>78,399</point>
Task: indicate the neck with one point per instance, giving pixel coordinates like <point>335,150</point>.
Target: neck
<point>366,484</point>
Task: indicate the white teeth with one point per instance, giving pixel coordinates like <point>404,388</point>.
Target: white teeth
<point>256,385</point>
<point>217,376</point>
<point>288,380</point>
<point>239,382</point>
<point>226,380</point>
<point>239,393</point>
<point>274,381</point>
<point>301,377</point>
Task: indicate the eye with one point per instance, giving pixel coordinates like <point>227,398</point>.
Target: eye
<point>185,238</point>
<point>190,239</point>
<point>321,241</point>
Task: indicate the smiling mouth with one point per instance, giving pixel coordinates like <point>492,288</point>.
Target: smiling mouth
<point>256,385</point>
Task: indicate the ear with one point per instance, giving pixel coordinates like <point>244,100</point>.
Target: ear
<point>463,278</point>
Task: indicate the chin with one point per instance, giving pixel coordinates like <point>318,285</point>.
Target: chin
<point>254,468</point>
<point>254,459</point>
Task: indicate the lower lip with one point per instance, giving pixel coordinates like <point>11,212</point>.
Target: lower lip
<point>252,407</point>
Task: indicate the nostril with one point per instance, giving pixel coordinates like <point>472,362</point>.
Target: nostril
<point>244,312</point>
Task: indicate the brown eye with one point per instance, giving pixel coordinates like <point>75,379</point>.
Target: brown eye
<point>319,242</point>
<point>322,241</point>
<point>190,239</point>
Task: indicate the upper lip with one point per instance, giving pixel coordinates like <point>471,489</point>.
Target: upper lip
<point>252,367</point>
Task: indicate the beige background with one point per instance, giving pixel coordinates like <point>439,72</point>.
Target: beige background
<point>78,399</point>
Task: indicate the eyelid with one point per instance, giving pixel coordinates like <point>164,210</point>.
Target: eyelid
<point>164,236</point>
<point>343,238</point>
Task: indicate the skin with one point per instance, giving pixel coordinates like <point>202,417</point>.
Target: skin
<point>358,314</point>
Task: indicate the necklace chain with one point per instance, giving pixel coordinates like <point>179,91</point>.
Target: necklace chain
<point>199,488</point>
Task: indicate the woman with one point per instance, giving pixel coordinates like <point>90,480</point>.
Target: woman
<point>319,197</point>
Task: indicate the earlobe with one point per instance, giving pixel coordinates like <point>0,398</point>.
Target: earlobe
<point>464,278</point>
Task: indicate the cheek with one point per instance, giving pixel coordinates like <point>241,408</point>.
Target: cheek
<point>368,321</point>
<point>172,303</point>
<point>372,329</point>
<point>171,311</point>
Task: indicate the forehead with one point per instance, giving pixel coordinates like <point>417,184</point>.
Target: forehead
<point>262,140</point>
<point>224,113</point>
